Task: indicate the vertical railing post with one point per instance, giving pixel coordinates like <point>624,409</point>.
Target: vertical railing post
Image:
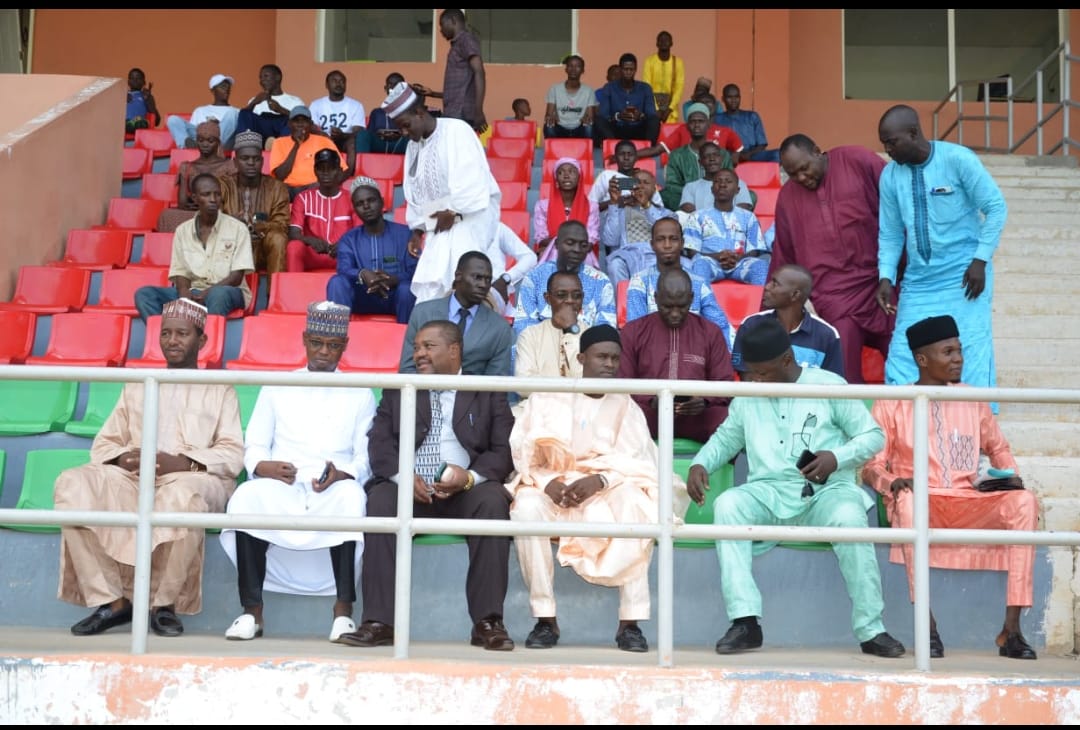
<point>665,587</point>
<point>1039,112</point>
<point>921,523</point>
<point>144,543</point>
<point>406,464</point>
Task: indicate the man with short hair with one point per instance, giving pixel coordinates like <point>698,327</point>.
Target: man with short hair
<point>469,432</point>
<point>339,116</point>
<point>549,349</point>
<point>627,107</point>
<point>268,111</point>
<point>381,134</point>
<point>200,452</point>
<point>728,239</point>
<point>306,453</point>
<point>628,227</point>
<point>664,72</point>
<point>319,217</point>
<point>570,105</point>
<point>803,455</point>
<point>964,436</point>
<point>675,344</point>
<point>464,79</point>
<point>183,131</point>
<point>260,202</point>
<point>293,158</point>
<point>747,124</point>
<point>698,194</point>
<point>587,458</point>
<point>693,135</point>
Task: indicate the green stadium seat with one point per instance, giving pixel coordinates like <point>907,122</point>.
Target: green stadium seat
<point>39,476</point>
<point>438,539</point>
<point>719,481</point>
<point>686,446</point>
<point>247,395</point>
<point>100,400</point>
<point>33,407</point>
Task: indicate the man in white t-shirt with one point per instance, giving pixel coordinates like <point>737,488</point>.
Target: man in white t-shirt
<point>183,132</point>
<point>268,111</point>
<point>571,105</point>
<point>339,116</point>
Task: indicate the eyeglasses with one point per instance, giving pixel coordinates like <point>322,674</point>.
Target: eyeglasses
<point>320,344</point>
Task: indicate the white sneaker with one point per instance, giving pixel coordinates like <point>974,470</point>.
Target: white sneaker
<point>342,625</point>
<point>244,628</point>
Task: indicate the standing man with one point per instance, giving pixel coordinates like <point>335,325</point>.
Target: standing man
<point>464,79</point>
<point>627,107</point>
<point>337,115</point>
<point>827,221</point>
<point>451,196</point>
<point>469,431</point>
<point>268,111</point>
<point>307,453</point>
<point>260,202</point>
<point>319,217</point>
<point>747,124</point>
<point>942,208</point>
<point>200,453</point>
<point>665,73</point>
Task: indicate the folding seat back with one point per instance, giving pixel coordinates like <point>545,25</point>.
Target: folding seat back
<point>118,287</point>
<point>759,174</point>
<point>271,342</point>
<point>738,300</point>
<point>608,146</point>
<point>620,302</point>
<point>576,147</point>
<point>517,221</point>
<point>135,162</point>
<point>87,339</point>
<point>512,147</point>
<point>101,398</point>
<point>158,141</point>
<point>16,336</point>
<point>36,406</point>
<point>160,186</point>
<point>49,289</point>
<point>510,169</point>
<point>766,200</point>
<point>133,214</point>
<point>211,353</point>
<point>514,196</point>
<point>156,250</point>
<point>525,128</point>
<point>96,249</point>
<point>182,154</point>
<point>374,347</point>
<point>292,291</point>
<point>719,481</point>
<point>43,466</point>
<point>381,166</point>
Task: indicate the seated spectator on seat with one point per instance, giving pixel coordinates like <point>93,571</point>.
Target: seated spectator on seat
<point>614,73</point>
<point>673,343</point>
<point>698,194</point>
<point>319,217</point>
<point>293,158</point>
<point>587,457</point>
<point>211,161</point>
<point>200,451</point>
<point>724,137</point>
<point>306,450</point>
<point>211,253</point>
<point>803,455</point>
<point>627,110</point>
<point>550,348</point>
<point>268,111</point>
<point>521,110</point>
<point>667,245</point>
<point>628,227</point>
<point>567,200</point>
<point>184,131</point>
<point>748,126</point>
<point>374,268</point>
<point>728,238</point>
<point>337,115</point>
<point>141,111</point>
<point>506,284</point>
<point>814,342</point>
<point>702,88</point>
<point>684,164</point>
<point>571,105</point>
<point>665,73</point>
<point>600,192</point>
<point>973,451</point>
<point>260,202</point>
<point>381,134</point>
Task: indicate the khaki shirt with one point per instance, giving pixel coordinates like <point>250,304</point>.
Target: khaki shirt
<point>227,249</point>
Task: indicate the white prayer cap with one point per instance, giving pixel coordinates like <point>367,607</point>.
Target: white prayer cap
<point>401,98</point>
<point>187,310</point>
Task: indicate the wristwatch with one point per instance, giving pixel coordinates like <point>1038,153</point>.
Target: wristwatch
<point>505,278</point>
<point>572,329</point>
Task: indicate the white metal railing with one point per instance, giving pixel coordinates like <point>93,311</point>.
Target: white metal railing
<point>664,531</point>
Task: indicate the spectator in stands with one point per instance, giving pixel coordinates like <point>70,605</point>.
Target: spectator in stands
<point>827,221</point>
<point>464,79</point>
<point>614,72</point>
<point>625,156</point>
<point>672,343</point>
<point>260,202</point>
<point>803,455</point>
<point>550,348</point>
<point>747,124</point>
<point>268,111</point>
<point>627,110</point>
<point>814,342</point>
<point>684,164</point>
<point>571,105</point>
<point>521,109</point>
<point>667,245</point>
<point>728,238</point>
<point>684,135</point>
<point>964,437</point>
<point>306,451</point>
<point>571,247</point>
<point>628,224</point>
<point>948,251</point>
<point>141,111</point>
<point>702,89</point>
<point>200,451</point>
<point>337,115</point>
<point>570,203</point>
<point>664,72</point>
<point>698,194</point>
<point>374,268</point>
<point>510,246</point>
<point>469,431</point>
<point>210,161</point>
<point>587,457</point>
<point>184,131</point>
<point>452,197</point>
<point>293,158</point>
<point>381,134</point>
<point>319,217</point>
<point>211,253</point>
<point>487,337</point>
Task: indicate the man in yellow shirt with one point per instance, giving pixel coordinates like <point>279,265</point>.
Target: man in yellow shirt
<point>665,74</point>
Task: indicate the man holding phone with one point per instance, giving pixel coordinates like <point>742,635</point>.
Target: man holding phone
<point>627,107</point>
<point>261,202</point>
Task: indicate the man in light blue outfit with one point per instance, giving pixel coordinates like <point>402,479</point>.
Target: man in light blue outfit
<point>803,456</point>
<point>938,203</point>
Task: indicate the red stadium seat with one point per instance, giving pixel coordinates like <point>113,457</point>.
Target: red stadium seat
<point>160,186</point>
<point>158,141</point>
<point>252,278</point>
<point>523,129</point>
<point>381,166</point>
<point>271,342</point>
<point>49,290</point>
<point>96,249</point>
<point>210,354</point>
<point>86,339</point>
<point>292,291</point>
<point>118,287</point>
<point>518,221</point>
<point>649,163</point>
<point>765,221</point>
<point>515,195</point>
<point>374,347</point>
<point>620,302</point>
<point>738,300</point>
<point>133,214</point>
<point>766,200</point>
<point>549,170</point>
<point>759,174</point>
<point>16,336</point>
<point>512,147</point>
<point>873,366</point>
<point>511,169</point>
<point>136,162</point>
<point>182,154</point>
<point>576,147</point>
<point>156,250</point>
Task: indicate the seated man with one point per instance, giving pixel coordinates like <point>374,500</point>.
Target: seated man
<point>675,344</point>
<point>728,238</point>
<point>319,217</point>
<point>803,455</point>
<point>550,348</point>
<point>183,132</point>
<point>627,107</point>
<point>337,115</point>
<point>628,227</point>
<point>374,268</point>
<point>268,111</point>
<point>306,454</point>
<point>211,253</point>
<point>698,194</point>
<point>956,499</point>
<point>468,433</point>
<point>381,134</point>
<point>141,110</point>
<point>815,342</point>
<point>625,156</point>
<point>260,202</point>
<point>587,458</point>
<point>293,157</point>
<point>698,132</point>
<point>571,105</point>
<point>747,123</point>
<point>200,452</point>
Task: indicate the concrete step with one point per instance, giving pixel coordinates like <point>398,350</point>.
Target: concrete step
<point>1036,263</point>
<point>1032,327</point>
<point>1060,375</point>
<point>1051,477</point>
<point>1041,438</point>
<point>1026,247</point>
<point>1061,513</point>
<point>1039,412</point>
<point>1025,303</point>
<point>1018,352</point>
<point>1016,195</point>
<point>1036,162</point>
<point>1020,282</point>
<point>1064,218</point>
<point>1063,202</point>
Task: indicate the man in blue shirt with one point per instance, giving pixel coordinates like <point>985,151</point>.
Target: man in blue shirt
<point>748,126</point>
<point>627,107</point>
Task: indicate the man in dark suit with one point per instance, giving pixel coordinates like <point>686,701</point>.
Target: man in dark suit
<point>473,441</point>
<point>487,336</point>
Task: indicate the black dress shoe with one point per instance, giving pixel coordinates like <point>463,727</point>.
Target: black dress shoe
<point>492,635</point>
<point>740,637</point>
<point>883,645</point>
<point>543,636</point>
<point>165,622</point>
<point>102,619</point>
<point>1016,648</point>
<point>937,649</point>
<point>631,639</point>
<point>369,633</point>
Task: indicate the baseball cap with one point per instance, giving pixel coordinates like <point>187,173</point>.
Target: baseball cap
<point>300,111</point>
<point>218,78</point>
<point>325,155</point>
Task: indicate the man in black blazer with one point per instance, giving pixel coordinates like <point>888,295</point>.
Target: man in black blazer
<point>488,336</point>
<point>473,440</point>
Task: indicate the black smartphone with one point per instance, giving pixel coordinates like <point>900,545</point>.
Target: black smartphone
<point>804,458</point>
<point>627,183</point>
<point>682,398</point>
<point>325,473</point>
<point>260,216</point>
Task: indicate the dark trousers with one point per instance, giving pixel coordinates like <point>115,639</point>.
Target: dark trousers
<point>268,125</point>
<point>489,557</point>
<point>648,129</point>
<point>559,132</point>
<point>251,569</point>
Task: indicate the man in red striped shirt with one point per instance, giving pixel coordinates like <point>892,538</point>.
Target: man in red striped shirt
<point>320,217</point>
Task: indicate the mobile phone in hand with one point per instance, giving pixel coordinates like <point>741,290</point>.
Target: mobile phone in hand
<point>440,471</point>
<point>627,183</point>
<point>682,398</point>
<point>325,473</point>
<point>804,458</point>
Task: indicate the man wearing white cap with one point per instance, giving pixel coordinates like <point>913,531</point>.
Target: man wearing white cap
<point>183,132</point>
<point>452,197</point>
<point>306,454</point>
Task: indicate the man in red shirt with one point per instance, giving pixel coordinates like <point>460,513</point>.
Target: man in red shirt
<point>320,217</point>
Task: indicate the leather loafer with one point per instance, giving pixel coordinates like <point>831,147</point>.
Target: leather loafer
<point>492,635</point>
<point>543,636</point>
<point>369,633</point>
<point>1016,648</point>
<point>937,649</point>
<point>165,622</point>
<point>883,645</point>
<point>102,619</point>
<point>740,637</point>
<point>631,639</point>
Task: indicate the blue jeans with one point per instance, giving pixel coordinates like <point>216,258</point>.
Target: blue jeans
<point>150,300</point>
<point>268,125</point>
<point>183,130</point>
<point>341,290</point>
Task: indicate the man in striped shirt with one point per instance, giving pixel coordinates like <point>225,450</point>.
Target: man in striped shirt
<point>320,217</point>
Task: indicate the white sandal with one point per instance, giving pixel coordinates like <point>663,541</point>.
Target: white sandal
<point>244,628</point>
<point>342,625</point>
